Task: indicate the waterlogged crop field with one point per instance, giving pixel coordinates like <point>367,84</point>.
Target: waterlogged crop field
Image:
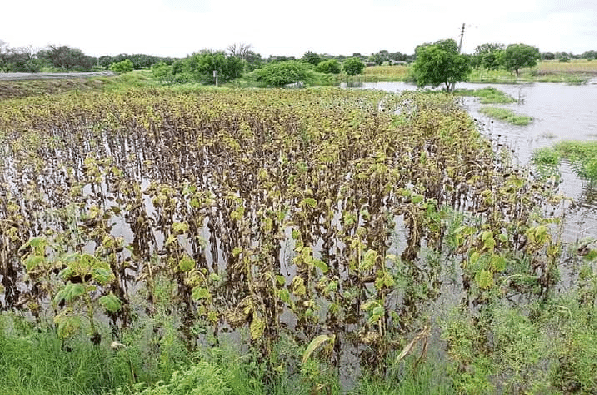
<point>332,218</point>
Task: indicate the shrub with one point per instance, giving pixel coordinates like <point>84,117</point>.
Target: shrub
<point>124,66</point>
<point>162,72</point>
<point>283,73</point>
<point>353,66</point>
<point>330,66</point>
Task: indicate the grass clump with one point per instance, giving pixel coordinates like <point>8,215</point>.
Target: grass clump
<point>583,157</point>
<point>504,114</point>
<point>487,95</point>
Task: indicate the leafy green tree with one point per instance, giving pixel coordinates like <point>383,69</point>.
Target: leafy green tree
<point>312,58</point>
<point>589,55</point>
<point>353,66</point>
<point>518,56</point>
<point>18,59</point>
<point>548,56</point>
<point>202,65</point>
<point>377,58</point>
<point>330,66</point>
<point>123,66</point>
<point>440,63</point>
<point>489,55</point>
<point>67,58</point>
<point>283,73</point>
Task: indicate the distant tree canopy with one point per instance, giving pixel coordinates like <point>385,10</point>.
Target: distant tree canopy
<point>518,56</point>
<point>140,61</point>
<point>353,66</point>
<point>18,59</point>
<point>440,63</point>
<point>66,58</point>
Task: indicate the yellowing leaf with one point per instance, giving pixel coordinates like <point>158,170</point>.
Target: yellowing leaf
<point>315,343</point>
<point>257,327</point>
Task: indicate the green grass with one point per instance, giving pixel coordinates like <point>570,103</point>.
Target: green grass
<point>36,362</point>
<point>487,95</point>
<point>504,114</point>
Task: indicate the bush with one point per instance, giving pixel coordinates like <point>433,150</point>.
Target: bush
<point>329,66</point>
<point>283,73</point>
<point>124,66</point>
<point>162,72</point>
<point>353,66</point>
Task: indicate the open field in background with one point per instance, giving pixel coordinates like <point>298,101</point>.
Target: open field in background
<point>572,66</point>
<point>387,73</point>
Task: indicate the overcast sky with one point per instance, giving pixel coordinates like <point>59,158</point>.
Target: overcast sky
<point>277,27</point>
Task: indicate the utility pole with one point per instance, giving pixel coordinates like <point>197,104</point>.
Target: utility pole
<point>461,35</point>
<point>459,50</point>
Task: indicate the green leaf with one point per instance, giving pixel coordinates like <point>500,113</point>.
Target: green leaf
<point>110,303</point>
<point>70,292</point>
<point>34,261</point>
<point>309,202</point>
<point>201,293</point>
<point>315,343</point>
<point>298,286</point>
<point>180,227</point>
<point>67,325</point>
<point>102,275</point>
<point>186,263</point>
<point>284,296</point>
<point>498,263</point>
<point>484,279</point>
<point>320,265</point>
<point>417,198</point>
<point>368,260</point>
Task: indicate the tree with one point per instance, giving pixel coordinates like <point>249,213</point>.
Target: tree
<point>240,50</point>
<point>200,66</point>
<point>330,66</point>
<point>548,56</point>
<point>18,59</point>
<point>353,66</point>
<point>489,55</point>
<point>517,56</point>
<point>376,58</point>
<point>312,58</point>
<point>283,73</point>
<point>440,63</point>
<point>67,58</point>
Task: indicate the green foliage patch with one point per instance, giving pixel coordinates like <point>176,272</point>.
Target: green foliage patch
<point>487,95</point>
<point>505,114</point>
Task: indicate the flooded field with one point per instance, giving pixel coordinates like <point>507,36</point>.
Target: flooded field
<point>560,112</point>
<point>329,217</point>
